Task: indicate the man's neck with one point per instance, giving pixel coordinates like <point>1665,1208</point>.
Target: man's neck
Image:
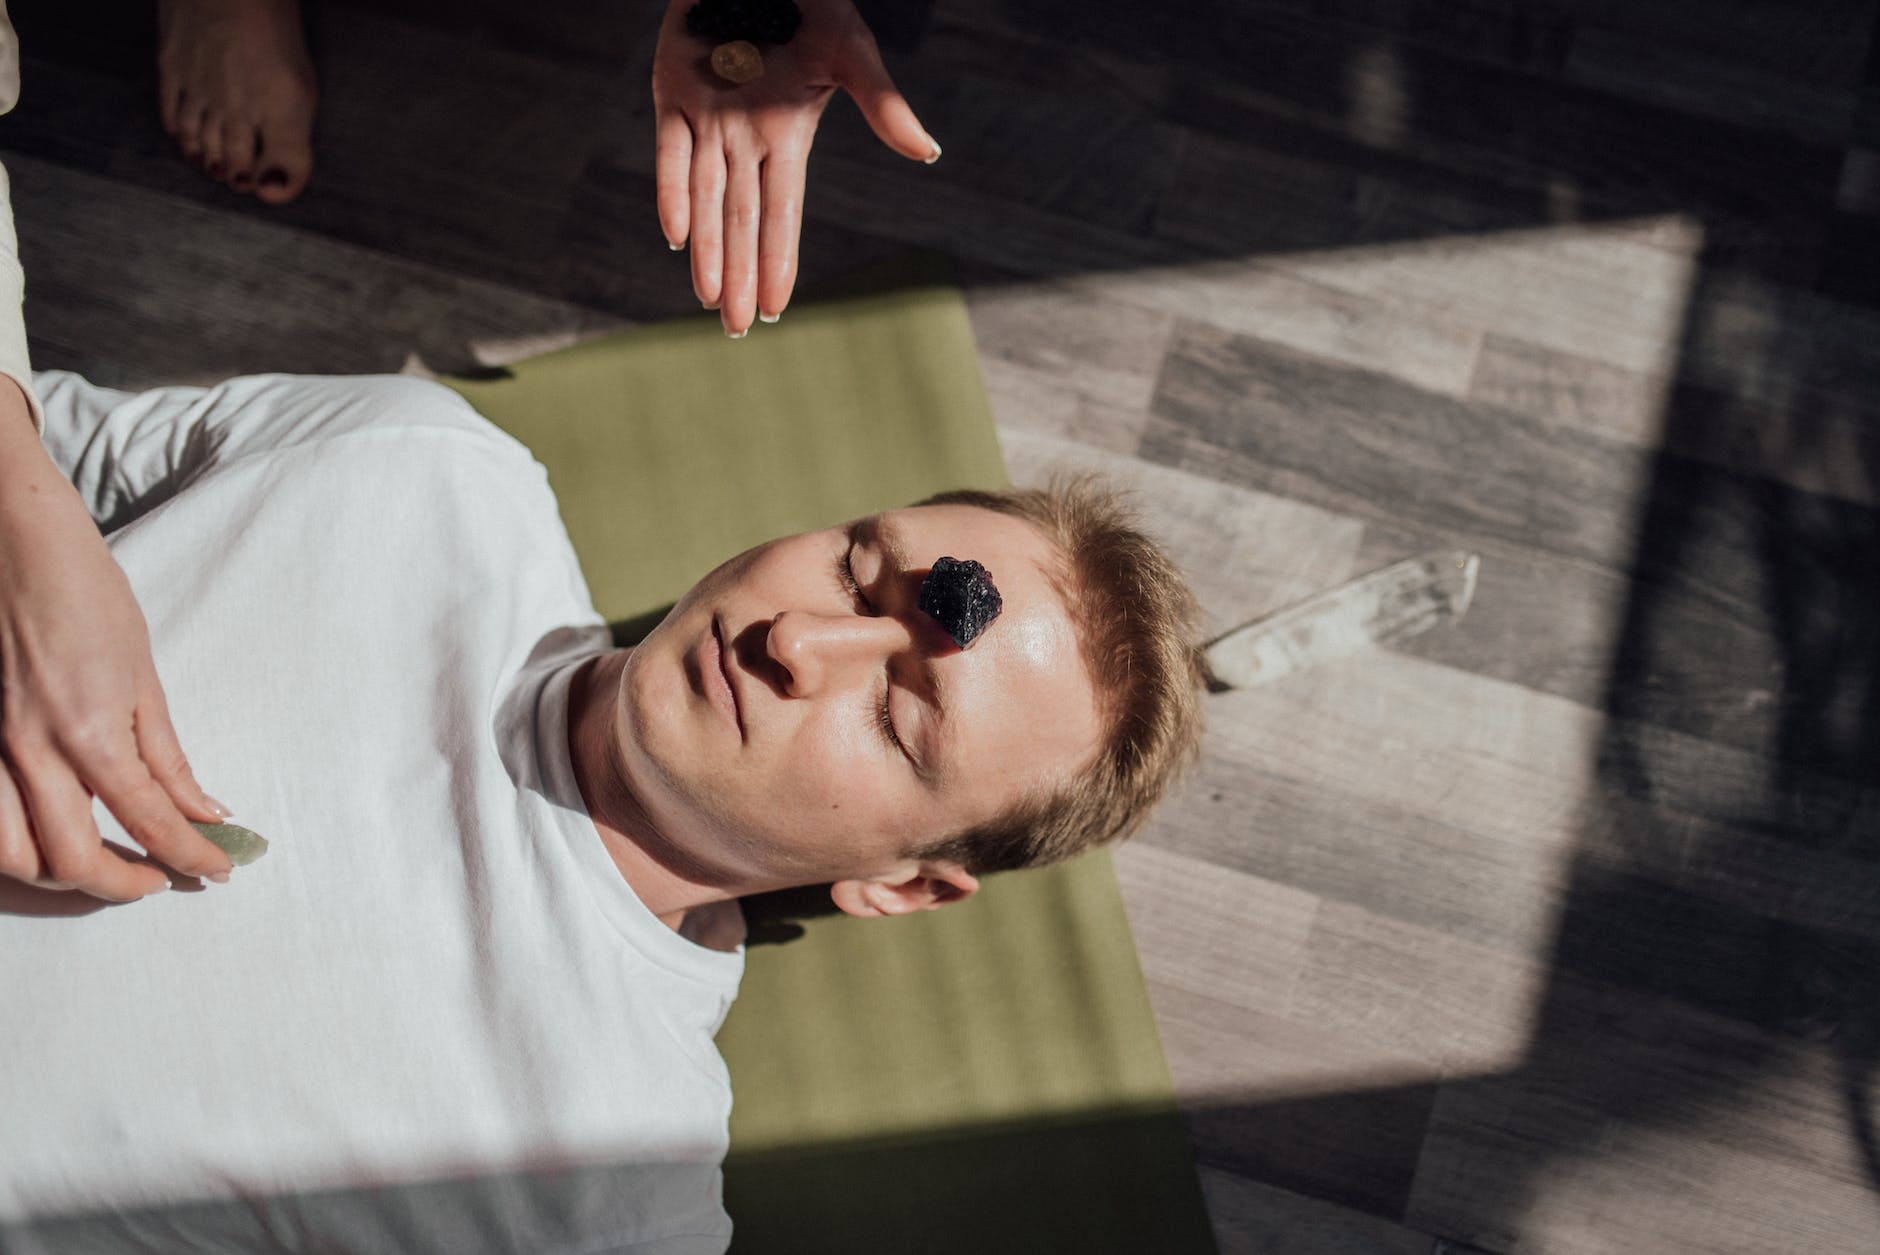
<point>658,875</point>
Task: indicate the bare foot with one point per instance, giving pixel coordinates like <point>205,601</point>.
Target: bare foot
<point>237,90</point>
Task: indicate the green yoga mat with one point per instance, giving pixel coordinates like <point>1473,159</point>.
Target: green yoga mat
<point>983,1078</point>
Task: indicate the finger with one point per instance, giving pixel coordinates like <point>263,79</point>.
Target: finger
<point>889,115</point>
<point>743,207</point>
<point>146,812</point>
<point>708,220</point>
<point>672,167</point>
<point>19,852</point>
<point>777,240</point>
<point>163,757</point>
<point>70,846</point>
<point>160,793</point>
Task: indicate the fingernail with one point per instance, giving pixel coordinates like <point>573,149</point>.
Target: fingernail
<point>159,889</point>
<point>220,878</point>
<point>768,317</point>
<point>738,335</point>
<point>220,811</point>
<point>712,307</point>
<point>935,156</point>
<point>677,248</point>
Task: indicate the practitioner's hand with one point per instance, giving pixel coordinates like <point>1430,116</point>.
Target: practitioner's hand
<point>732,160</point>
<point>81,712</point>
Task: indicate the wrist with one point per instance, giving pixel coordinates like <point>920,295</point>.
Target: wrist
<point>31,484</point>
<point>14,407</point>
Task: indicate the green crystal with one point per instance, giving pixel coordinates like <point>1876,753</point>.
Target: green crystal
<point>242,846</point>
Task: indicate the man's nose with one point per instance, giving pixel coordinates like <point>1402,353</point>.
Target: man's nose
<point>819,651</point>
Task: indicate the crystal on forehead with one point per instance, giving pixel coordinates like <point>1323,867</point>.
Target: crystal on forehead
<point>960,595</point>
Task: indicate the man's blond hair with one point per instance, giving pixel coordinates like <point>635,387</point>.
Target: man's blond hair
<point>1137,624</point>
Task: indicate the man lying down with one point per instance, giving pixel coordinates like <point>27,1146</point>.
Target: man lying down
<point>467,1000</point>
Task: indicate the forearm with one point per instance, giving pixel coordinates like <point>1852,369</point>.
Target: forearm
<point>26,469</point>
<point>35,495</point>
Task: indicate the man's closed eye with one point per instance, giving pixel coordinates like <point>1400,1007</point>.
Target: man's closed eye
<point>884,713</point>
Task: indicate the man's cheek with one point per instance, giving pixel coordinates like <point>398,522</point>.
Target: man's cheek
<point>837,766</point>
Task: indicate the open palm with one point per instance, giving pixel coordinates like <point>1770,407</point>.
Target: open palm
<point>732,161</point>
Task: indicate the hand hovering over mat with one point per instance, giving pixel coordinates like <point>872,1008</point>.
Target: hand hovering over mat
<point>81,712</point>
<point>732,159</point>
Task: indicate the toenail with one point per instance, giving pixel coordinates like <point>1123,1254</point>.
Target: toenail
<point>217,169</point>
<point>244,181</point>
<point>273,175</point>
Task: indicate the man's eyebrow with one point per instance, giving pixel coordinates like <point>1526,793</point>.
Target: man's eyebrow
<point>881,533</point>
<point>884,534</point>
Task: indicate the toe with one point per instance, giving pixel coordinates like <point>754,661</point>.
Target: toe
<point>189,122</point>
<point>170,104</point>
<point>214,160</point>
<point>239,145</point>
<point>286,158</point>
<point>285,140</point>
<point>283,175</point>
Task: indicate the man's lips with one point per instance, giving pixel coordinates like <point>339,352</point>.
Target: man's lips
<point>718,683</point>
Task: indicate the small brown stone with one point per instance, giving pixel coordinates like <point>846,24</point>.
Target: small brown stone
<point>738,62</point>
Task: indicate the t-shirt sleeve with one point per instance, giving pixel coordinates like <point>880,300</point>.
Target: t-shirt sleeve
<point>128,453</point>
<point>13,359</point>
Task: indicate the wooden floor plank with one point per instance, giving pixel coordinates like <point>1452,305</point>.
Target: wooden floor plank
<point>1268,301</point>
<point>1285,419</point>
<point>1464,1008</point>
<point>1660,1128</point>
<point>1817,441</point>
<point>1294,1107</point>
<point>1074,363</point>
<point>243,293</point>
<point>1689,81</point>
<point>1255,1219</point>
<point>1215,933</point>
<point>1244,411</point>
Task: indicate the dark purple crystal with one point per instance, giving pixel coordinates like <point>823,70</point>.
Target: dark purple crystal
<point>760,21</point>
<point>959,594</point>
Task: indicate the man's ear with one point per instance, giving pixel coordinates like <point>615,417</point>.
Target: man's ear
<point>908,888</point>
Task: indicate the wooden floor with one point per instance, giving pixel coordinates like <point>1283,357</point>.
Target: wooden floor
<point>1555,931</point>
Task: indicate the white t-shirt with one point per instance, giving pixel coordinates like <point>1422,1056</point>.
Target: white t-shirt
<point>434,1016</point>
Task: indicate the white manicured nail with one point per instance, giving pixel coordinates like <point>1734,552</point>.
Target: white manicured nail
<point>768,317</point>
<point>935,156</point>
